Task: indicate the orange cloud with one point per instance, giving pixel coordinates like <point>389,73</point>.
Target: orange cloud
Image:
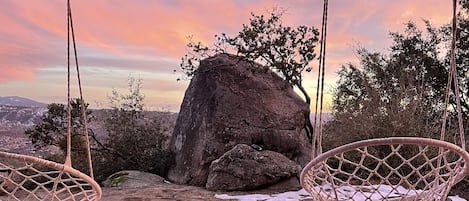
<point>114,25</point>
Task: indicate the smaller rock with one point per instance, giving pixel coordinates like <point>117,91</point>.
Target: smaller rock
<point>244,168</point>
<point>132,179</point>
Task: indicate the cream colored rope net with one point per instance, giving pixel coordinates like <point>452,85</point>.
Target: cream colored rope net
<point>29,178</point>
<point>399,168</point>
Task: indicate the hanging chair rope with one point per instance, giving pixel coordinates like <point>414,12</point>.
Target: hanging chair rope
<point>316,148</point>
<point>68,159</point>
<point>83,109</point>
<point>453,78</point>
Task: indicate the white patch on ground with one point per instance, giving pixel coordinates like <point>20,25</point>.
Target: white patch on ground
<point>302,195</point>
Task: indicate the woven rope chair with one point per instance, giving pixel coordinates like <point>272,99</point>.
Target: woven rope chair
<point>395,168</point>
<point>25,177</point>
<point>29,178</point>
<point>367,170</point>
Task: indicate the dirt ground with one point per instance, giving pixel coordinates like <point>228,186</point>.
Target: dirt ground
<point>175,192</point>
<point>172,192</point>
<point>166,192</point>
<point>159,192</point>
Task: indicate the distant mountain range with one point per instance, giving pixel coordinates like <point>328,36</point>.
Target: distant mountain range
<point>20,102</point>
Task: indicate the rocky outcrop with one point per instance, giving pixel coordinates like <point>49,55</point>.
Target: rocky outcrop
<point>228,102</point>
<point>132,179</point>
<point>243,168</point>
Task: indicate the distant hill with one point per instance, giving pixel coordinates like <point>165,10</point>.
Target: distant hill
<point>20,102</point>
<point>20,115</point>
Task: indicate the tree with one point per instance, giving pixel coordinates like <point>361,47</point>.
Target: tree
<point>133,101</point>
<point>134,141</point>
<point>462,59</point>
<point>52,129</point>
<point>286,50</point>
<point>462,54</point>
<point>398,94</point>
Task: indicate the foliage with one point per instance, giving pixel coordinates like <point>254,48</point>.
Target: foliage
<point>53,127</point>
<point>52,130</point>
<point>129,102</point>
<point>399,94</point>
<point>462,55</point>
<point>286,50</point>
<point>134,142</point>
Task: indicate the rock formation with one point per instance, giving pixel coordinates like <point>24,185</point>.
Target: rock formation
<point>243,168</point>
<point>132,179</point>
<point>231,101</point>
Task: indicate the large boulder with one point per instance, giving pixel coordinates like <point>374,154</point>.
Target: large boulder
<point>231,101</point>
<point>243,168</point>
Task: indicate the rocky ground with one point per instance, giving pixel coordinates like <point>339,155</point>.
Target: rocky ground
<point>158,192</point>
<point>173,192</point>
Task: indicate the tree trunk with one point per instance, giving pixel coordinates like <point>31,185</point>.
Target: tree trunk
<point>308,125</point>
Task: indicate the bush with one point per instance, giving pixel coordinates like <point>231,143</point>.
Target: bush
<point>134,141</point>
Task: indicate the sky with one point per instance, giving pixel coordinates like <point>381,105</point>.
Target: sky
<point>146,39</point>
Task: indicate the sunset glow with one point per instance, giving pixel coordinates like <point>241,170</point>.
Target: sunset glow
<point>142,38</point>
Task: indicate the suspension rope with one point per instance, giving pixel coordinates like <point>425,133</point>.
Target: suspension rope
<point>68,159</point>
<point>453,78</point>
<point>316,148</point>
<point>83,109</point>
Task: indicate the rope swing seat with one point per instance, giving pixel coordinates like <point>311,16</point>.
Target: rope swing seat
<point>24,178</point>
<point>394,168</point>
<point>357,172</point>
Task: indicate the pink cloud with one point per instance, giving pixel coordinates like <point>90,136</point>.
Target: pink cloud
<point>164,25</point>
<point>111,25</point>
<point>16,73</point>
<point>438,12</point>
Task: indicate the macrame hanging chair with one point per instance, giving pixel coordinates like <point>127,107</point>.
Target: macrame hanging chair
<point>25,177</point>
<point>385,168</point>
